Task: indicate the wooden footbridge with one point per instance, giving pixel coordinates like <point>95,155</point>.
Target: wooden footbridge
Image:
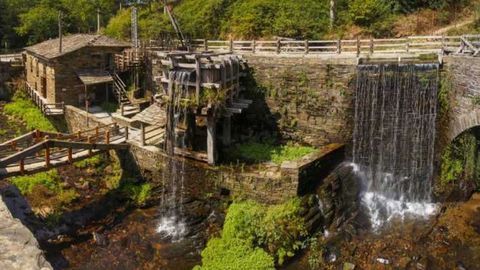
<point>40,151</point>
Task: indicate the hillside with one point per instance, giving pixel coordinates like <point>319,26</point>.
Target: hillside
<point>24,22</point>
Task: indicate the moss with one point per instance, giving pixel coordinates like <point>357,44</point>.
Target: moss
<point>23,108</point>
<point>138,193</point>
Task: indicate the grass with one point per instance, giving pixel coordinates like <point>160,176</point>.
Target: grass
<point>262,152</point>
<point>94,161</point>
<point>49,179</point>
<point>23,108</point>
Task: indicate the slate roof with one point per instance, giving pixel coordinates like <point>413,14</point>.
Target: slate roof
<point>49,49</point>
<point>90,77</point>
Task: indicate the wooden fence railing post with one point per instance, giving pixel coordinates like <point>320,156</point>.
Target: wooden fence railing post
<point>307,47</point>
<point>407,48</point>
<point>97,131</point>
<point>205,44</point>
<point>339,46</point>
<point>107,137</point>
<point>358,46</point>
<point>47,152</point>
<point>279,46</point>
<point>70,155</point>
<point>89,140</point>
<point>126,133</point>
<point>231,45</point>
<point>22,166</point>
<point>372,46</point>
<point>254,46</point>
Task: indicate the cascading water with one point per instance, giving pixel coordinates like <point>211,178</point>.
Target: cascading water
<point>394,137</point>
<point>172,223</point>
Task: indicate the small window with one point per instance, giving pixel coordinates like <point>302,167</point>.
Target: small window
<point>37,67</point>
<point>31,64</point>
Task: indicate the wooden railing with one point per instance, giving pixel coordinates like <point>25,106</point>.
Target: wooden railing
<point>46,108</point>
<point>38,147</point>
<point>11,58</point>
<point>414,44</point>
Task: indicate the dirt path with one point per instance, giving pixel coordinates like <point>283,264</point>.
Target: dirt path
<point>453,26</point>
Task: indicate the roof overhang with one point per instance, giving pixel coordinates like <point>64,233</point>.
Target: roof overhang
<point>92,77</point>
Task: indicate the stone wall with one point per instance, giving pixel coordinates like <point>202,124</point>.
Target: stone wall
<point>464,74</point>
<point>309,99</point>
<point>19,249</point>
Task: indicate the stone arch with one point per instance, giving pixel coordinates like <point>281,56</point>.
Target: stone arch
<point>463,122</point>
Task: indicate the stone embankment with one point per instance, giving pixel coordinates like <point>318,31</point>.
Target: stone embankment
<point>19,248</point>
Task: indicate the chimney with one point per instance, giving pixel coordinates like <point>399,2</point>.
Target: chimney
<point>60,32</point>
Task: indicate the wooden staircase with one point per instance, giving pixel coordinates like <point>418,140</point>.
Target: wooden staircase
<point>127,107</point>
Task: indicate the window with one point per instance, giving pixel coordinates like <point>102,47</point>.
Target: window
<point>37,67</point>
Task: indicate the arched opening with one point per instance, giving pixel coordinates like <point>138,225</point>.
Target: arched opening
<point>459,174</point>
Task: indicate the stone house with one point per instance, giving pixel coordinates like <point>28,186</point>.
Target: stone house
<point>63,71</point>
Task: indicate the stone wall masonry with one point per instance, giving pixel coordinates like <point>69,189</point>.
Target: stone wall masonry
<point>311,99</point>
<point>464,74</point>
<point>19,249</point>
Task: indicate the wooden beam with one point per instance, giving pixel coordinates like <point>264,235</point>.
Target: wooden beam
<point>211,139</point>
<point>88,146</point>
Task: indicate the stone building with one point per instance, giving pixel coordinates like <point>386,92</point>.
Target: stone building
<point>63,70</point>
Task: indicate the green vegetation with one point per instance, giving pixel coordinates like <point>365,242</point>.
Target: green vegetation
<point>50,181</point>
<point>461,160</point>
<point>47,179</point>
<point>255,235</point>
<point>261,152</point>
<point>24,109</point>
<point>89,162</point>
<point>138,193</point>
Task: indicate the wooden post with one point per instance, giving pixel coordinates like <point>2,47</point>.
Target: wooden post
<point>107,137</point>
<point>142,134</point>
<point>89,140</point>
<point>358,46</point>
<point>97,131</point>
<point>22,166</point>
<point>198,79</point>
<point>227,130</point>
<point>407,46</point>
<point>231,45</point>
<point>122,109</point>
<point>205,44</point>
<point>371,46</point>
<point>254,46</point>
<point>70,155</point>
<point>339,46</point>
<point>443,43</point>
<point>279,46</point>
<point>126,133</point>
<point>47,152</point>
<point>307,47</point>
<point>211,138</point>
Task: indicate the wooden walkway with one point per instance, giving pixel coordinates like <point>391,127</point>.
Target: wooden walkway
<point>40,151</point>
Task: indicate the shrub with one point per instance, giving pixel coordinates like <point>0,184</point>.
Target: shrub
<point>278,229</point>
<point>23,108</point>
<point>234,254</point>
<point>368,12</point>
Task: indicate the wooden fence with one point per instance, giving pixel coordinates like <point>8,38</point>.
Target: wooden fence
<point>467,44</point>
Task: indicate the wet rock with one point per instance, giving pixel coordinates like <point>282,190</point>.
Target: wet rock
<point>383,261</point>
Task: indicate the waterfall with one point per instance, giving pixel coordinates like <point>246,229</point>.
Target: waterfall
<point>394,137</point>
<point>172,222</point>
